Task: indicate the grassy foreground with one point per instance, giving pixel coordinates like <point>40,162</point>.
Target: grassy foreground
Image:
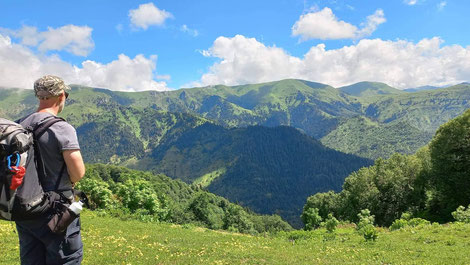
<point>112,241</point>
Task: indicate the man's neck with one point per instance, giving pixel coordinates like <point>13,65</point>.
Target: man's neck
<point>52,111</point>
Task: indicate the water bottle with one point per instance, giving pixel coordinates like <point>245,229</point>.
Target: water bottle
<point>76,207</point>
<point>64,216</point>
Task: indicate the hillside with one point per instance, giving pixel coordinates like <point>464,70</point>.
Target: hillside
<point>112,241</point>
<point>133,194</point>
<point>367,89</point>
<point>281,161</point>
<point>319,110</point>
<point>258,167</point>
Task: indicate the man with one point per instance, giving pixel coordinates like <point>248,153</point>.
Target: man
<point>58,145</point>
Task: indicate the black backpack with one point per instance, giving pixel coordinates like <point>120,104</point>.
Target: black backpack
<point>23,198</point>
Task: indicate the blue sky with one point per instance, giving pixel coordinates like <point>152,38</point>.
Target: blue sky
<point>141,45</point>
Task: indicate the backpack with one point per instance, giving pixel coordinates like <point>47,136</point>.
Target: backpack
<point>22,169</point>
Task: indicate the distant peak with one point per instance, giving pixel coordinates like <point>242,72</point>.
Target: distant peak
<point>367,88</point>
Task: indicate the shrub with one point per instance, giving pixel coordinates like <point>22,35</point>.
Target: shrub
<point>365,226</point>
<point>298,235</point>
<point>311,219</point>
<point>369,232</point>
<point>398,224</point>
<point>364,219</point>
<point>461,214</point>
<point>406,216</point>
<point>418,221</point>
<point>98,192</point>
<point>331,223</point>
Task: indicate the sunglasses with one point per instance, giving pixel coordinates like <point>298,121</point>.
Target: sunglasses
<point>66,94</point>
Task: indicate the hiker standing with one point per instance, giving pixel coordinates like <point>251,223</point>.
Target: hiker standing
<point>63,166</point>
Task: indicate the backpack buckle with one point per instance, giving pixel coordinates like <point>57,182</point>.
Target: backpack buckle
<point>18,158</point>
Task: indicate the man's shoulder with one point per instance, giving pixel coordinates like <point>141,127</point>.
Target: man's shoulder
<point>33,118</point>
<point>38,117</point>
<point>63,126</point>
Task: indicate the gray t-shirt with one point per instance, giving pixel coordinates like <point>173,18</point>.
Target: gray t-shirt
<point>59,137</point>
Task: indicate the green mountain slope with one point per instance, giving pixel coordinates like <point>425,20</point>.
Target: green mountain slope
<point>317,109</point>
<point>367,138</point>
<point>270,170</point>
<point>367,89</point>
<point>142,195</point>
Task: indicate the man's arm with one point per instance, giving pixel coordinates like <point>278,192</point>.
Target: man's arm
<point>75,166</point>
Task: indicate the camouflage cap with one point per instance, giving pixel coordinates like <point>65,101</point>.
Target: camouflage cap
<point>49,86</point>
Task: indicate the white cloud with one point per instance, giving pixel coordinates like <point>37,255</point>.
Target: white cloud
<point>74,39</point>
<point>373,21</point>
<point>20,67</point>
<point>147,15</point>
<point>245,60</point>
<point>441,5</point>
<point>192,32</point>
<point>124,74</point>
<point>410,2</point>
<point>322,25</point>
<point>29,36</point>
<point>325,25</point>
<point>398,63</point>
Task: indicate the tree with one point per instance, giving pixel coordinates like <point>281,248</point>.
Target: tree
<point>205,207</point>
<point>450,157</point>
<point>311,218</point>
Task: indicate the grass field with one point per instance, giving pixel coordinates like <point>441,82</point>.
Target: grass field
<point>109,240</point>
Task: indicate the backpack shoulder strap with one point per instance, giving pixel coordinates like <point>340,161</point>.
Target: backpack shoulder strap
<point>41,127</point>
<point>38,130</point>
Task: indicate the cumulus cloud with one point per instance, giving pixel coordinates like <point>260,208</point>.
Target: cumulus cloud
<point>20,67</point>
<point>245,60</point>
<point>322,25</point>
<point>325,25</point>
<point>74,39</point>
<point>148,15</point>
<point>398,63</point>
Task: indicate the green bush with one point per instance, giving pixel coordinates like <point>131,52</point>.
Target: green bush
<point>369,232</point>
<point>98,192</point>
<point>461,214</point>
<point>331,223</point>
<point>418,221</point>
<point>398,224</point>
<point>365,226</point>
<point>364,219</point>
<point>406,216</point>
<point>311,219</point>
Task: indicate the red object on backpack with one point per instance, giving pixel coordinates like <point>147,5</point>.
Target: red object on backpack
<point>17,179</point>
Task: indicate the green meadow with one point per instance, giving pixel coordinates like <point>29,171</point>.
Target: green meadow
<point>109,240</point>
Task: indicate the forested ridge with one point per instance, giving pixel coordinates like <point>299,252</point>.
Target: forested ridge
<point>321,111</point>
<point>133,194</point>
<point>270,170</point>
<point>430,184</point>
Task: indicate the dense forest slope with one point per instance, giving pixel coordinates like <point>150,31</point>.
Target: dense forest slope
<point>270,170</point>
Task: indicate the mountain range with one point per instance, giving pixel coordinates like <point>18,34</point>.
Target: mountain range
<point>234,141</point>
